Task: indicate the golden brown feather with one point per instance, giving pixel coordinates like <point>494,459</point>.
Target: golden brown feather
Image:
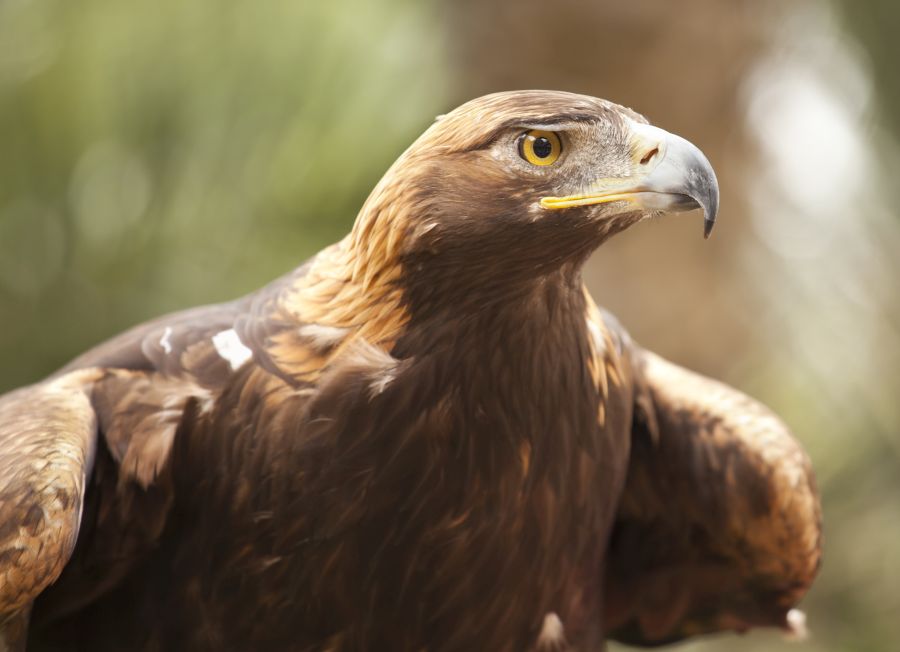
<point>47,441</point>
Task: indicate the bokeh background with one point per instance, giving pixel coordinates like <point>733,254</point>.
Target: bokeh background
<point>156,155</point>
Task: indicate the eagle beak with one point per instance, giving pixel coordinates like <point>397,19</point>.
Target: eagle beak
<point>668,174</point>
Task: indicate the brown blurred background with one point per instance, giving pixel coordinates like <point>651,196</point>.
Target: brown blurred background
<point>163,154</point>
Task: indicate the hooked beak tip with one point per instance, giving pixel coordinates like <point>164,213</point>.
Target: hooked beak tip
<point>710,210</point>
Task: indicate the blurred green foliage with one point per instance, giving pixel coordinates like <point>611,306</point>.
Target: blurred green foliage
<point>875,23</point>
<point>155,155</point>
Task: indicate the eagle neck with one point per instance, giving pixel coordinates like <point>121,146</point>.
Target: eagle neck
<point>528,346</point>
<point>510,386</point>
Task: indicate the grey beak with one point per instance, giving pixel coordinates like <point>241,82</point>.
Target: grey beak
<point>683,179</point>
<point>669,174</point>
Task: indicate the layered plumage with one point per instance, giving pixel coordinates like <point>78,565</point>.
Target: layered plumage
<point>426,437</point>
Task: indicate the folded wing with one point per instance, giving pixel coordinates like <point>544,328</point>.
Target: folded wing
<point>719,526</point>
<point>48,437</point>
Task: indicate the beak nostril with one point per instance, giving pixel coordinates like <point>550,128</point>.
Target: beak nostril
<point>649,156</point>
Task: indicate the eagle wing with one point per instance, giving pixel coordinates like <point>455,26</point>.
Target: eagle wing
<point>719,524</point>
<point>48,438</point>
<point>104,426</point>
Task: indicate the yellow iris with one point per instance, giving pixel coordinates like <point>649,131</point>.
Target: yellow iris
<point>540,147</point>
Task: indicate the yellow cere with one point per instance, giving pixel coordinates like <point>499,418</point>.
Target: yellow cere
<point>540,147</point>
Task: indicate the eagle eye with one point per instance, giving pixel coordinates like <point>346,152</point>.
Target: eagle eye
<point>540,147</point>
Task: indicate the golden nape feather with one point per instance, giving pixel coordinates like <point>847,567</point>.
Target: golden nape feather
<point>427,437</point>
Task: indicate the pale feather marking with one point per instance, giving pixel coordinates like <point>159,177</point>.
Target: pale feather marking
<point>164,340</point>
<point>552,635</point>
<point>229,345</point>
<point>599,340</point>
<point>796,626</point>
<point>322,334</point>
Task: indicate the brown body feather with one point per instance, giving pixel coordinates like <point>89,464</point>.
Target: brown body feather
<point>418,440</point>
<point>406,489</point>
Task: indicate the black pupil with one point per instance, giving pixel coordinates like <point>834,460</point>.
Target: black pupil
<point>542,147</point>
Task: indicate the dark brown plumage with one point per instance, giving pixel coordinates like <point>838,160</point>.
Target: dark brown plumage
<point>426,437</point>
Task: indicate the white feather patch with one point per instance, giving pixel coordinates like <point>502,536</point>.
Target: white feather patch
<point>796,622</point>
<point>229,346</point>
<point>164,340</point>
<point>552,636</point>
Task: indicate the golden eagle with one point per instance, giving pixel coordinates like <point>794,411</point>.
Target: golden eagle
<point>428,437</point>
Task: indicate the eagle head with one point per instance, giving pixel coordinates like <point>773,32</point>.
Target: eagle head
<point>527,181</point>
